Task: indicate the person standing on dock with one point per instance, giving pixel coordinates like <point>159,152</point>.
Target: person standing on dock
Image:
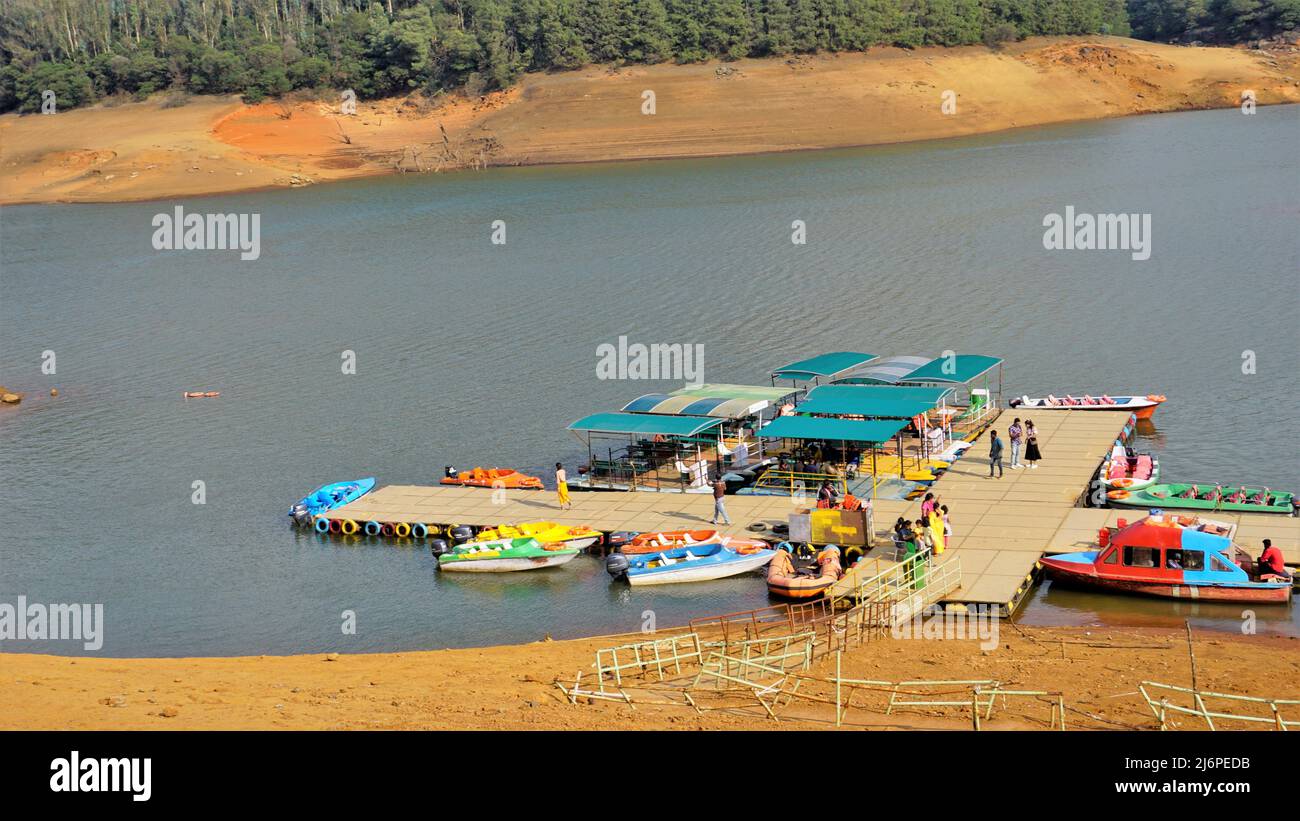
<point>562,487</point>
<point>1032,453</point>
<point>719,509</point>
<point>1017,435</point>
<point>995,454</point>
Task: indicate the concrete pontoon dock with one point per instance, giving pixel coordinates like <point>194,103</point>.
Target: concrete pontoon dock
<point>1001,527</point>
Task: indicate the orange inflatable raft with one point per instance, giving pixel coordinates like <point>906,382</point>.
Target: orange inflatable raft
<point>669,539</point>
<point>494,477</point>
<point>785,580</point>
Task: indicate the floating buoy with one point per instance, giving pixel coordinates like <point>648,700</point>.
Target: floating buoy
<point>322,525</point>
<point>419,531</point>
<point>349,527</point>
<point>402,529</point>
<point>335,525</point>
<point>54,391</point>
<point>434,530</point>
<point>372,528</point>
<point>387,529</point>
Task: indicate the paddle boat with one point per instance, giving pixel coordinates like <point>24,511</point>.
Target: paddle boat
<point>1207,497</point>
<point>790,578</point>
<point>491,477</point>
<point>668,539</point>
<point>1142,406</point>
<point>696,563</point>
<point>328,497</point>
<point>505,556</point>
<point>579,536</point>
<point>1174,557</point>
<point>1128,470</point>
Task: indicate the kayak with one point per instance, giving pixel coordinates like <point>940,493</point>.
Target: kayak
<point>667,539</point>
<point>1129,471</point>
<point>505,556</point>
<point>789,581</point>
<point>579,537</point>
<point>494,478</point>
<point>328,497</point>
<point>1143,406</point>
<point>697,563</point>
<point>1207,497</point>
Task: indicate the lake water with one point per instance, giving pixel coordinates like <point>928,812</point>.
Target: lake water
<point>474,353</point>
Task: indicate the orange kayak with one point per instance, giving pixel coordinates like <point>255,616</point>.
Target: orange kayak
<point>494,477</point>
<point>669,539</point>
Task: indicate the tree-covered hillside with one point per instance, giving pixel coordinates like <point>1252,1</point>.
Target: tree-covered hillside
<point>85,50</point>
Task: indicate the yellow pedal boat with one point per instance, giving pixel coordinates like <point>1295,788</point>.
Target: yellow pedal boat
<point>580,536</point>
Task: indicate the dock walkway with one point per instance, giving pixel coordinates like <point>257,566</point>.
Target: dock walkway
<point>1001,526</point>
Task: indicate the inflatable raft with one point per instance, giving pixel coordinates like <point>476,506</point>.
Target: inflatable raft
<point>789,581</point>
<point>492,477</point>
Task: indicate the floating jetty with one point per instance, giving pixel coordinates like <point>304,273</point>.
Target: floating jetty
<point>1002,527</point>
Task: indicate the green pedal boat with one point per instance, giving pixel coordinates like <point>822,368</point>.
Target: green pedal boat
<point>505,556</point>
<point>1206,497</point>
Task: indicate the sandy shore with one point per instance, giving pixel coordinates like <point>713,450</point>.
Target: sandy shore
<point>512,687</point>
<point>140,151</point>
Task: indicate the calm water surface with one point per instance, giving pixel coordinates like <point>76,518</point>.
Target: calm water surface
<point>470,353</point>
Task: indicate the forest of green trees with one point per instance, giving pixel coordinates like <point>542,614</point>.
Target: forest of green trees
<point>86,50</point>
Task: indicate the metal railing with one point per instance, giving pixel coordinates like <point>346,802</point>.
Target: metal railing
<point>1162,707</point>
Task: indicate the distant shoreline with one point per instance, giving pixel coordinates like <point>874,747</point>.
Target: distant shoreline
<point>142,151</point>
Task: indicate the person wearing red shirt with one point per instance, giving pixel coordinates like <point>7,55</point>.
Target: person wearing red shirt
<point>1271,561</point>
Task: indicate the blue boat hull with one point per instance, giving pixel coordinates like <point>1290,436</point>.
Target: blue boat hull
<point>331,496</point>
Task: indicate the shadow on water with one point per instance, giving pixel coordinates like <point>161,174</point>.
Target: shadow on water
<point>1054,605</point>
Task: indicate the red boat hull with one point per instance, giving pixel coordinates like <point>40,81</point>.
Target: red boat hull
<point>1167,590</point>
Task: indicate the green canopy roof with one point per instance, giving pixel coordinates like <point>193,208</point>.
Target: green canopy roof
<point>647,424</point>
<point>956,370</point>
<point>752,392</point>
<point>872,400</point>
<point>826,365</point>
<point>849,430</point>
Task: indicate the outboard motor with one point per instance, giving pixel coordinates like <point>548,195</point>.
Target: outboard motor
<point>461,534</point>
<point>438,547</point>
<point>302,516</point>
<point>619,538</point>
<point>616,565</point>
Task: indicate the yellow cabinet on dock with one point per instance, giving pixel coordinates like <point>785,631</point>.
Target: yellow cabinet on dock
<point>840,527</point>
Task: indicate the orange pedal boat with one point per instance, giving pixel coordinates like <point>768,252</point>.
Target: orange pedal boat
<point>495,478</point>
<point>669,539</point>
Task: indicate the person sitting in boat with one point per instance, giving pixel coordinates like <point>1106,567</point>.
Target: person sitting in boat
<point>1271,563</point>
<point>1174,561</point>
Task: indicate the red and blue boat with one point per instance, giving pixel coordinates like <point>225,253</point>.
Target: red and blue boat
<point>1173,557</point>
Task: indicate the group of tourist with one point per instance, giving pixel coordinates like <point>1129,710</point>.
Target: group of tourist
<point>1025,436</point>
<point>930,533</point>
